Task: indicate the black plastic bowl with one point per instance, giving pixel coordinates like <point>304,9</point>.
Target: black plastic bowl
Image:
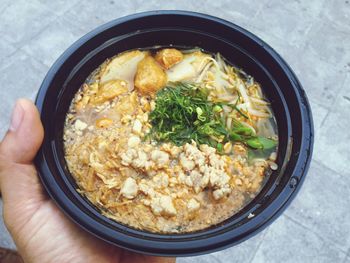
<point>178,28</point>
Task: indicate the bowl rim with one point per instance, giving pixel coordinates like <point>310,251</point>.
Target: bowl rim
<point>188,246</point>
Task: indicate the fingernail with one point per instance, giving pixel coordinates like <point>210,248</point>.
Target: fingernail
<point>17,116</point>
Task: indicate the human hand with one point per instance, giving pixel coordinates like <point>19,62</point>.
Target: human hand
<point>42,233</point>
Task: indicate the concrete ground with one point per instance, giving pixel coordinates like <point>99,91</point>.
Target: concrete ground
<point>313,36</point>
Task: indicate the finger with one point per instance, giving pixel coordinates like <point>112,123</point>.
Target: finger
<point>9,256</point>
<point>18,179</point>
<point>25,134</point>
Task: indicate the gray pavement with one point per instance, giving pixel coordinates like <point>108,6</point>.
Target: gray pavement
<point>313,36</point>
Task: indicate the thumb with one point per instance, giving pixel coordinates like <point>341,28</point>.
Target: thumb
<point>18,179</point>
<point>25,134</point>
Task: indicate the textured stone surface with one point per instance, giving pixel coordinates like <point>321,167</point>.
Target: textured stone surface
<point>52,41</point>
<point>288,241</point>
<point>5,241</point>
<point>318,207</point>
<point>332,145</point>
<point>20,76</point>
<point>287,20</point>
<point>6,49</point>
<point>21,20</point>
<point>314,38</point>
<point>241,253</point>
<point>338,12</point>
<point>330,41</point>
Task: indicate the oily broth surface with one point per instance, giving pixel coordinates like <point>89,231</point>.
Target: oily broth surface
<point>109,155</point>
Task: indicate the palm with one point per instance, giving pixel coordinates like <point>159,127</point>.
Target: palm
<point>37,220</point>
<point>41,231</point>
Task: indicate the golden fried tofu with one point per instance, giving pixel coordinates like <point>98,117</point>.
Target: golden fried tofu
<point>168,57</point>
<point>127,104</point>
<point>150,77</point>
<point>103,122</point>
<point>122,66</point>
<point>189,68</point>
<point>110,90</point>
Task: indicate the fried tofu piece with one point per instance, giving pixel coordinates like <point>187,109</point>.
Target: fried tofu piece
<point>189,68</point>
<point>122,67</point>
<point>168,57</point>
<point>88,92</point>
<point>127,104</point>
<point>150,77</point>
<point>109,90</point>
<point>104,122</point>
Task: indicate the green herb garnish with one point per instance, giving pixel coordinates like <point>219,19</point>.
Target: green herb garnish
<point>183,113</point>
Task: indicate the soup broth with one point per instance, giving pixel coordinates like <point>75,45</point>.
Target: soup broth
<point>170,140</point>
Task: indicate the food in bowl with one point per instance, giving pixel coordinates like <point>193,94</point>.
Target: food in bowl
<point>170,140</point>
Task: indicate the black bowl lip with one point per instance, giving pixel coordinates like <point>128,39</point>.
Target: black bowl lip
<point>167,247</point>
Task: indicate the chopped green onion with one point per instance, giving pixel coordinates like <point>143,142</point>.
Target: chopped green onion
<point>183,113</point>
<point>261,143</point>
<point>217,108</point>
<point>219,147</point>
